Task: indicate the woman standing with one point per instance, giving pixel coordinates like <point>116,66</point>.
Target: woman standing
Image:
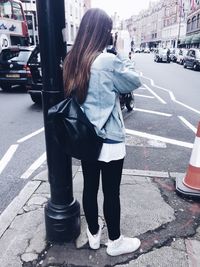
<point>97,78</point>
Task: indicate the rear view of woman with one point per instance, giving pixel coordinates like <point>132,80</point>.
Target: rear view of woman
<point>97,78</point>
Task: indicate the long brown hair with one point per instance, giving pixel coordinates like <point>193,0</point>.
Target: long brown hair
<point>92,37</point>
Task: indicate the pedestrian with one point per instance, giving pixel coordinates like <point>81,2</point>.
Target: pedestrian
<point>168,55</point>
<point>97,78</point>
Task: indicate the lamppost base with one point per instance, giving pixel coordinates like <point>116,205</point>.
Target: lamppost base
<point>62,221</point>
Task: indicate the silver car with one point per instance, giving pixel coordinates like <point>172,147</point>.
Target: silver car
<point>162,55</point>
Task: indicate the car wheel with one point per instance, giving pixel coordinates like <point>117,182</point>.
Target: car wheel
<point>36,98</point>
<point>5,88</point>
<point>184,65</point>
<point>195,66</point>
<point>122,106</point>
<point>122,101</point>
<point>130,102</point>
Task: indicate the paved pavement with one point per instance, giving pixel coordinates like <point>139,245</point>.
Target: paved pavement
<point>167,224</point>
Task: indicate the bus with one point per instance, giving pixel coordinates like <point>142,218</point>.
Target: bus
<point>13,24</point>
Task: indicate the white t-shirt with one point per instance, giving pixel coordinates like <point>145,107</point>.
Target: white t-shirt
<point>111,152</point>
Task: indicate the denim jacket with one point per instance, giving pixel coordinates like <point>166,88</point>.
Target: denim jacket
<point>110,75</point>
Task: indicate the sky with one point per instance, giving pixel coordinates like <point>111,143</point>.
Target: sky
<point>124,8</point>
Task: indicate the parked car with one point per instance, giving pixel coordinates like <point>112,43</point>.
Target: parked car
<point>137,50</point>
<point>146,50</point>
<point>162,55</point>
<point>192,59</point>
<point>34,82</point>
<point>173,54</point>
<point>181,54</point>
<point>14,69</point>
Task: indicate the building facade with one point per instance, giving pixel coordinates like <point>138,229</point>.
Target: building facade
<point>74,10</point>
<point>192,38</point>
<point>174,22</point>
<point>146,28</point>
<point>162,24</point>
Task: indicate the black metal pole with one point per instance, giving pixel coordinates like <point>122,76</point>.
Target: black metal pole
<point>62,212</point>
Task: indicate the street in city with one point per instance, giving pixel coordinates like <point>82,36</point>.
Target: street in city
<point>160,135</point>
<point>160,130</point>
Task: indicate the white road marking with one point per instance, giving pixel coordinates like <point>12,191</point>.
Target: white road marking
<point>30,135</point>
<point>7,157</point>
<point>12,149</point>
<point>153,93</point>
<point>188,124</point>
<point>171,95</point>
<point>153,112</point>
<point>34,166</point>
<point>176,101</point>
<point>160,138</point>
<point>186,106</point>
<point>147,96</point>
<point>8,215</point>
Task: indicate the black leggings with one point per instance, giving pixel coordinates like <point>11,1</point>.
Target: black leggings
<point>111,178</point>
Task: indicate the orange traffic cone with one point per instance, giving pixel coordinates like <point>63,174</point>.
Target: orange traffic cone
<point>190,185</point>
<point>192,178</point>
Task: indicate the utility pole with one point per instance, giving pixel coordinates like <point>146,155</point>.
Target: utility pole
<point>62,212</point>
<point>179,29</point>
<point>180,6</point>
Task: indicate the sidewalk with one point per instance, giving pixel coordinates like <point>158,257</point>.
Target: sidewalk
<point>168,226</point>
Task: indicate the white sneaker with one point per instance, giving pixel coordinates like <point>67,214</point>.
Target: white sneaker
<point>94,240</point>
<point>122,245</point>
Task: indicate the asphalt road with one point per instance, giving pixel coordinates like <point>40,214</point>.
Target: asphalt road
<point>172,90</point>
<point>184,83</point>
<point>19,117</point>
<point>160,130</point>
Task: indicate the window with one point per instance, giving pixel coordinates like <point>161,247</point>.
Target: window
<point>174,20</point>
<point>7,54</point>
<point>17,11</point>
<point>5,9</point>
<point>72,32</point>
<point>188,25</point>
<point>22,56</point>
<point>29,20</point>
<point>198,21</point>
<point>71,9</point>
<point>76,12</point>
<point>167,12</point>
<point>193,23</point>
<point>191,53</point>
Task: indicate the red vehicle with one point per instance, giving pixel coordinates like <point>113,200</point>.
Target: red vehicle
<point>13,25</point>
